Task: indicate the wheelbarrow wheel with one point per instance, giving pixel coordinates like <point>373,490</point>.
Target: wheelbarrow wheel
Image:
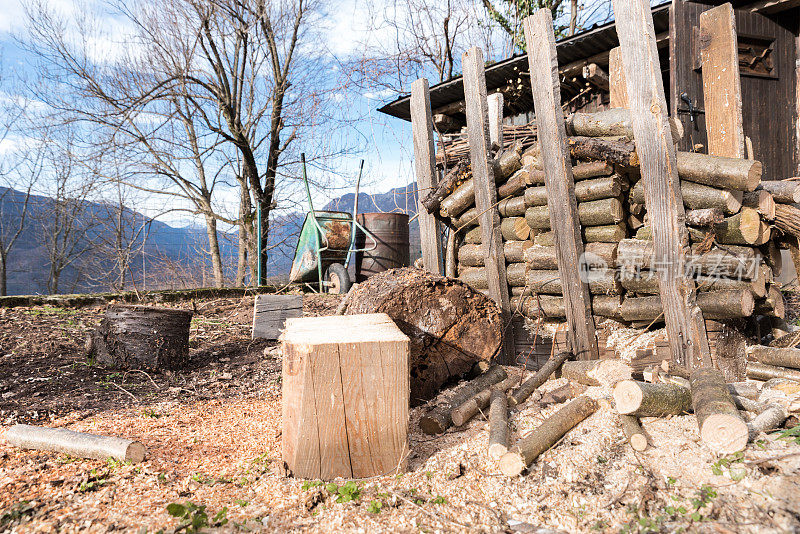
<point>338,281</point>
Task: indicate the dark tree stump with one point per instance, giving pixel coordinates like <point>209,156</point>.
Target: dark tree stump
<point>142,337</point>
<point>451,326</point>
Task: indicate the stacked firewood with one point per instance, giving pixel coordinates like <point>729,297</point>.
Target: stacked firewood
<point>730,217</point>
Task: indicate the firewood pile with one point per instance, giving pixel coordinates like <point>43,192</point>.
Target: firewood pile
<point>737,225</point>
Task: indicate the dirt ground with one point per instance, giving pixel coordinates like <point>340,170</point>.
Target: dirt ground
<point>213,438</point>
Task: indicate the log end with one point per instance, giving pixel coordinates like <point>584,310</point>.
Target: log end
<point>433,423</point>
<point>638,442</point>
<point>754,176</point>
<point>627,397</point>
<point>135,452</point>
<point>724,433</point>
<point>512,464</point>
<point>496,451</point>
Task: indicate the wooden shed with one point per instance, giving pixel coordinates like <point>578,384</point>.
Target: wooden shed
<point>768,53</point>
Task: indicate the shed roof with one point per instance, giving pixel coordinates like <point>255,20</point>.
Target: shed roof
<point>582,46</point>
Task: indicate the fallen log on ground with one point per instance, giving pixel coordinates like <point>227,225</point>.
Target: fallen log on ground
<point>770,419</point>
<point>633,432</point>
<point>760,371</point>
<point>450,325</point>
<point>642,399</point>
<point>468,409</point>
<point>788,357</point>
<point>498,424</point>
<point>438,419</point>
<point>142,337</point>
<point>721,427</point>
<point>527,449</point>
<point>525,389</point>
<point>73,443</point>
<point>596,372</point>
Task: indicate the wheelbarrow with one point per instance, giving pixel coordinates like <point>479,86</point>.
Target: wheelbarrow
<point>327,245</point>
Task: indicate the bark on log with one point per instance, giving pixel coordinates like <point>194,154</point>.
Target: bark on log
<point>597,255</point>
<point>544,239</point>
<point>446,186</point>
<point>770,419</point>
<point>514,186</point>
<point>509,162</point>
<point>717,171</point>
<point>498,424</point>
<point>704,217</point>
<point>511,207</point>
<point>620,152</point>
<point>541,376</point>
<point>772,305</point>
<point>642,399</point>
<point>633,432</point>
<point>514,251</point>
<point>473,237</point>
<point>760,371</point>
<point>142,337</point>
<point>607,123</point>
<point>646,283</point>
<point>535,306</point>
<point>526,450</point>
<point>591,169</point>
<point>468,219</point>
<point>450,325</point>
<point>547,282</point>
<point>438,419</point>
<point>717,305</point>
<point>594,213</point>
<point>613,233</point>
<point>596,372</point>
<point>461,414</point>
<point>781,357</point>
<point>585,191</point>
<point>730,260</point>
<point>721,427</point>
<point>762,202</point>
<point>74,443</point>
<point>783,192</point>
<point>787,219</point>
<point>697,196</point>
<point>515,229</point>
<point>744,228</point>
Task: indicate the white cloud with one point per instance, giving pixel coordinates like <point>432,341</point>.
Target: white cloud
<point>378,95</point>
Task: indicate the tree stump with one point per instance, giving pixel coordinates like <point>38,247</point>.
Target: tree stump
<point>450,325</point>
<point>142,337</point>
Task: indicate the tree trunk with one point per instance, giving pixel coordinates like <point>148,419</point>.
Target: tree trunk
<point>214,252</point>
<point>142,337</point>
<point>3,274</point>
<point>450,326</point>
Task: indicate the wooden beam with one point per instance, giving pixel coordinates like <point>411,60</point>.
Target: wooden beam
<point>722,89</point>
<point>773,6</point>
<point>425,165</point>
<point>596,76</point>
<point>485,189</point>
<point>617,91</point>
<point>495,102</point>
<point>685,326</point>
<point>559,182</point>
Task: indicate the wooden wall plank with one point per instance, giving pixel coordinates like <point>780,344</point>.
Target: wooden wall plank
<point>485,189</point>
<point>559,182</point>
<point>617,91</point>
<point>722,90</point>
<point>425,165</point>
<point>651,128</point>
<point>495,102</point>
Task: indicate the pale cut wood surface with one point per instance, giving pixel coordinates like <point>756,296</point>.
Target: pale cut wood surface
<point>563,207</point>
<point>618,91</point>
<point>495,103</point>
<point>345,396</point>
<point>684,320</point>
<point>485,189</point>
<point>722,90</point>
<point>425,165</point>
<point>271,312</point>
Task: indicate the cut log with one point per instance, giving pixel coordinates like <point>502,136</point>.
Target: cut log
<point>73,443</point>
<point>596,255</point>
<point>770,419</point>
<point>526,450</point>
<point>723,261</point>
<point>772,305</point>
<point>697,196</point>
<point>642,399</point>
<point>633,432</point>
<point>721,427</point>
<point>704,217</point>
<point>527,388</point>
<point>585,191</point>
<point>450,325</point>
<point>514,251</point>
<point>544,239</point>
<point>446,186</point>
<point>345,396</point>
<point>781,357</point>
<point>717,305</point>
<point>743,404</point>
<point>724,173</point>
<point>534,306</point>
<point>509,162</point>
<point>510,207</point>
<point>783,192</point>
<point>787,219</point>
<point>468,409</point>
<point>762,202</point>
<point>612,233</point>
<point>142,337</point>
<point>514,186</point>
<point>744,228</point>
<point>562,394</point>
<point>595,213</point>
<point>498,424</point>
<point>646,283</point>
<point>548,282</point>
<point>438,419</point>
<point>515,229</point>
<point>760,371</point>
<point>596,372</point>
<point>621,152</point>
<point>468,219</point>
<point>749,390</point>
<point>607,123</point>
<point>591,169</point>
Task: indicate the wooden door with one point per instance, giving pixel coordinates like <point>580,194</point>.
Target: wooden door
<point>767,53</point>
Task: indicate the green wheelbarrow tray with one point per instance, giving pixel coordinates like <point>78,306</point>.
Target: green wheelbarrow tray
<point>329,239</point>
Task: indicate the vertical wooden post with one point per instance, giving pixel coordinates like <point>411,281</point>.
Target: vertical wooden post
<point>617,91</point>
<point>485,189</point>
<point>425,165</point>
<point>495,102</point>
<point>685,326</point>
<point>722,89</point>
<point>559,182</point>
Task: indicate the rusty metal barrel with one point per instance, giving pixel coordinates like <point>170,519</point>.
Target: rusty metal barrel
<point>391,232</point>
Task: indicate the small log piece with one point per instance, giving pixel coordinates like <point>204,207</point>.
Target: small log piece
<point>770,419</point>
<point>717,305</point>
<point>498,424</point>
<point>698,196</point>
<point>633,432</point>
<point>783,192</point>
<point>533,383</point>
<point>721,427</point>
<point>788,357</point>
<point>704,217</point>
<point>468,409</point>
<point>642,399</point>
<point>526,450</point>
<point>596,372</point>
<point>77,444</point>
<point>762,202</point>
<point>760,371</point>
